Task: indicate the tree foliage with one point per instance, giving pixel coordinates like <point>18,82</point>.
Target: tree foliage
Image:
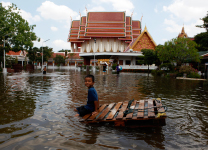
<point>202,38</point>
<point>178,50</point>
<point>205,24</point>
<point>64,50</point>
<point>19,33</point>
<point>35,54</point>
<point>15,30</point>
<point>149,56</point>
<point>59,60</point>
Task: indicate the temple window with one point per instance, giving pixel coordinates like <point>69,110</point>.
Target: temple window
<point>128,62</point>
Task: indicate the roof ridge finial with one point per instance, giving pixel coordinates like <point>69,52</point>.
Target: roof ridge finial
<point>132,13</point>
<point>71,18</point>
<point>86,8</point>
<point>80,14</point>
<point>145,28</point>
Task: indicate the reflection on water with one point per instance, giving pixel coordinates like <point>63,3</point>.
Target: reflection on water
<point>36,111</point>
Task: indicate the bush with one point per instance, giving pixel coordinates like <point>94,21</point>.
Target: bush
<point>169,66</point>
<point>97,67</point>
<point>187,70</point>
<point>157,72</point>
<point>191,72</point>
<point>114,66</point>
<point>90,67</point>
<point>85,66</point>
<point>193,75</point>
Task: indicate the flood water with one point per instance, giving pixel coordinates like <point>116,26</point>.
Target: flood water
<point>36,112</point>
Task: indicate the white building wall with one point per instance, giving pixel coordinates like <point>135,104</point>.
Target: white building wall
<point>104,43</point>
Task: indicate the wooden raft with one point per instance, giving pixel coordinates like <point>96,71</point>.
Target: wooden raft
<point>141,113</point>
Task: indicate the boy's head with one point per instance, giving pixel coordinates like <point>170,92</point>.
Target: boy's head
<point>89,80</point>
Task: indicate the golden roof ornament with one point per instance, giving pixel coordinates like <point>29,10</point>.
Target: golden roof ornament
<point>145,29</point>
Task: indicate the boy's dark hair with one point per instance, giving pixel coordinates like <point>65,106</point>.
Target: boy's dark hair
<point>91,76</point>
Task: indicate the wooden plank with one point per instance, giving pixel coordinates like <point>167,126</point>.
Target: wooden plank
<point>133,104</point>
<point>102,115</point>
<point>151,113</point>
<point>113,112</point>
<point>145,109</point>
<point>141,109</point>
<point>85,117</point>
<point>136,110</point>
<point>100,110</point>
<point>123,108</point>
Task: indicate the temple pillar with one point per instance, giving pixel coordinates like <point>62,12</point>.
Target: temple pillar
<point>114,49</point>
<point>22,63</point>
<point>108,46</point>
<point>53,64</point>
<point>76,48</point>
<point>72,47</point>
<point>101,46</point>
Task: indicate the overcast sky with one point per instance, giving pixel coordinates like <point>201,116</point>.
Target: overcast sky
<point>164,18</point>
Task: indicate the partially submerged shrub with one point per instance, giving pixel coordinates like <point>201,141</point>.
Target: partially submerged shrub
<point>193,75</point>
<point>187,69</point>
<point>191,72</point>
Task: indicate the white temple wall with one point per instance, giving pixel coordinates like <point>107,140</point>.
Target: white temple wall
<point>104,44</point>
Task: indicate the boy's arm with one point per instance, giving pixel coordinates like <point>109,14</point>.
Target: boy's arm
<point>96,103</point>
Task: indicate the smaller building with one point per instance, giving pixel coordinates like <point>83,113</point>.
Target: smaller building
<point>20,55</point>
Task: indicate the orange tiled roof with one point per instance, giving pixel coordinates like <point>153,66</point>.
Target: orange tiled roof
<point>104,24</point>
<point>13,53</point>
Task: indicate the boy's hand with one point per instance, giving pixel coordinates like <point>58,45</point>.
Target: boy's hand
<point>94,112</point>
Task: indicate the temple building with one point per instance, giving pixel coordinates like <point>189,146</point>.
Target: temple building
<point>109,37</point>
<point>184,35</point>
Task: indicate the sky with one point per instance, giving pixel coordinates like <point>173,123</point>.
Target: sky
<point>164,19</point>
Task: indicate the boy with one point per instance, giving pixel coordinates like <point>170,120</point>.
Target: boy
<point>92,99</point>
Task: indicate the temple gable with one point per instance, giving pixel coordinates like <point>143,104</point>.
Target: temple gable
<point>144,41</point>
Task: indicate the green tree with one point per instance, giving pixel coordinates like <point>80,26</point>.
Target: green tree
<point>149,57</point>
<point>59,59</point>
<point>178,50</point>
<point>16,31</point>
<point>140,60</point>
<point>202,38</point>
<point>205,24</point>
<point>64,50</point>
<point>47,53</point>
<point>33,54</point>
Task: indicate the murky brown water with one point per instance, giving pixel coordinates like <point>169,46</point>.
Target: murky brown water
<point>36,112</point>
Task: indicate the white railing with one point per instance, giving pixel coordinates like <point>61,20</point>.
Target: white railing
<point>151,67</point>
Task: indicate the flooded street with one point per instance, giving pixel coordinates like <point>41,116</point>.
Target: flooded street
<point>36,112</point>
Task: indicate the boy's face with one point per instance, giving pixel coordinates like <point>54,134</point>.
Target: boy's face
<point>88,82</point>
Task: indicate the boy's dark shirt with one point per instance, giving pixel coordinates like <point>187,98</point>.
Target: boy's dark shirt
<point>91,97</point>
